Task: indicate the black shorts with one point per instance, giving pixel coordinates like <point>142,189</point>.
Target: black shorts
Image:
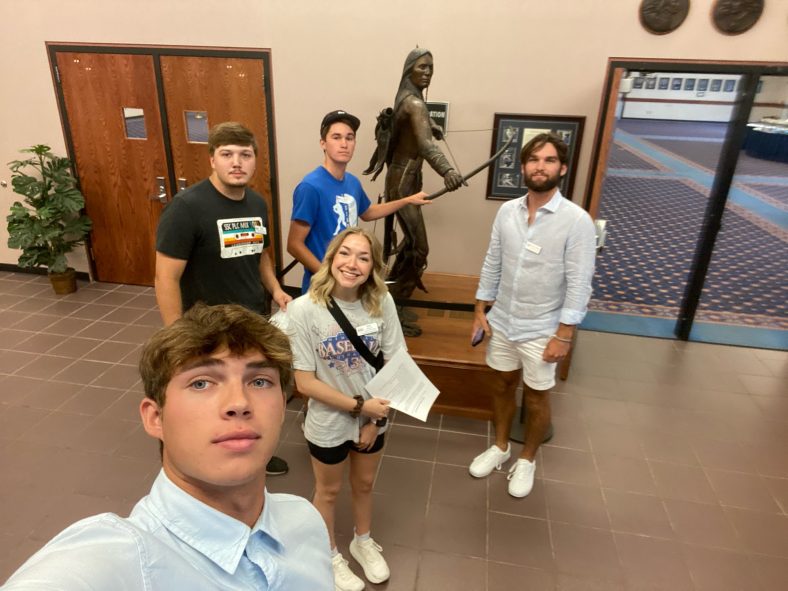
<point>335,455</point>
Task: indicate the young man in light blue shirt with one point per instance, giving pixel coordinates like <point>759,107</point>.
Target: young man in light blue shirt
<point>537,278</point>
<point>214,399</point>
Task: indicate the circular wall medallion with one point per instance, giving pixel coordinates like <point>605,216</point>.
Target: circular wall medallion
<point>734,17</point>
<point>663,16</point>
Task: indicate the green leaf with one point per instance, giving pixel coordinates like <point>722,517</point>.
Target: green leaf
<point>48,224</point>
<point>59,264</point>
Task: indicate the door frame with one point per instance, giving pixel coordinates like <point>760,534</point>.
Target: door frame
<point>157,51</point>
<point>751,71</point>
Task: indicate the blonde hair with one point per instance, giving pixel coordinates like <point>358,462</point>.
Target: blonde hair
<point>371,292</point>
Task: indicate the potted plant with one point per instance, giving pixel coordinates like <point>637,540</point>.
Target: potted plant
<point>49,224</point>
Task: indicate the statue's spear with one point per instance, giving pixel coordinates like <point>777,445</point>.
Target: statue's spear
<point>475,171</point>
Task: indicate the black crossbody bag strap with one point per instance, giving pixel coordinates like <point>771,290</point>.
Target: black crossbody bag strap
<point>375,361</point>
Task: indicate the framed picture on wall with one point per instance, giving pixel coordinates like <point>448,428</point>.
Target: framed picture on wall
<point>664,83</point>
<point>503,178</point>
<point>675,84</point>
<point>716,85</point>
<point>703,84</point>
<point>729,86</point>
<point>651,83</point>
<point>689,84</point>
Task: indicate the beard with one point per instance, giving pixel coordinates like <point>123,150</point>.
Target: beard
<point>542,186</point>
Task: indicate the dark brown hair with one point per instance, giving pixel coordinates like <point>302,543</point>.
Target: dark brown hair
<point>230,133</point>
<point>203,330</point>
<point>537,143</point>
<point>326,128</point>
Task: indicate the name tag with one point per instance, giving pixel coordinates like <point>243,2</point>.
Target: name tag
<point>530,246</point>
<point>367,329</point>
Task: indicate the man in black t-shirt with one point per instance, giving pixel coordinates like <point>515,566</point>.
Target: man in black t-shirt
<point>212,240</point>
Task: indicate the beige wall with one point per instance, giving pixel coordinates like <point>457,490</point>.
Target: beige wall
<point>519,56</point>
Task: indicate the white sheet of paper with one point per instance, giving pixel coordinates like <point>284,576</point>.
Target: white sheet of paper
<point>405,385</point>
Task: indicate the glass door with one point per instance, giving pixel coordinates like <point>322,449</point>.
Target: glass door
<point>744,295</point>
<point>669,130</point>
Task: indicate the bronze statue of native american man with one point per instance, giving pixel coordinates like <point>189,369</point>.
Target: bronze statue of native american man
<point>406,138</point>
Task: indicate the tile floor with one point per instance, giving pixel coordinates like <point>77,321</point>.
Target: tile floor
<point>668,470</point>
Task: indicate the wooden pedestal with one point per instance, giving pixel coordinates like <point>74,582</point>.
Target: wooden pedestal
<point>444,352</point>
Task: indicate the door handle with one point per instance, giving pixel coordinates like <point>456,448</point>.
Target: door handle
<point>162,196</point>
<point>181,184</point>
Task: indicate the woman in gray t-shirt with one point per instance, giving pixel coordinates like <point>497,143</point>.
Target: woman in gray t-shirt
<point>344,424</point>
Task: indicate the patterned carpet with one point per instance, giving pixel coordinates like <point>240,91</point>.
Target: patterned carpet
<point>777,192</point>
<point>663,223</point>
<point>654,198</point>
<point>683,129</point>
<point>621,158</point>
<point>707,154</point>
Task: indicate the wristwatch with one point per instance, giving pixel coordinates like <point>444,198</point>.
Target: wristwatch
<point>381,422</point>
<point>359,403</point>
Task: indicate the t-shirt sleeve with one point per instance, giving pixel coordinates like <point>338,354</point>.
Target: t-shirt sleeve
<point>363,200</point>
<point>298,331</point>
<point>266,225</point>
<point>392,340</point>
<point>176,233</point>
<point>305,203</point>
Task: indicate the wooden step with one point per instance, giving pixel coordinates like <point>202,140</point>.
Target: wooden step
<point>444,354</point>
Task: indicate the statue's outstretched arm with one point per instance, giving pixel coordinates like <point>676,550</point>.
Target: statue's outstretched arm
<point>421,125</point>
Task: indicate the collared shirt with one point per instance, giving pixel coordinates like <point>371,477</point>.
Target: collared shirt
<point>171,541</point>
<point>538,274</point>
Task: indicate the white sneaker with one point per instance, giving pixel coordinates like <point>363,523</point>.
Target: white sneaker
<point>490,460</point>
<point>344,578</point>
<point>521,478</point>
<point>368,554</point>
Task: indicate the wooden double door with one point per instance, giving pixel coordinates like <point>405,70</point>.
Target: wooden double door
<point>136,121</point>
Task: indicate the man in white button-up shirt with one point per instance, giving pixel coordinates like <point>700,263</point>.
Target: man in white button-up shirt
<point>537,278</point>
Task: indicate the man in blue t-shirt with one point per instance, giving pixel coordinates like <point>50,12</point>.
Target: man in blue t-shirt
<point>330,199</point>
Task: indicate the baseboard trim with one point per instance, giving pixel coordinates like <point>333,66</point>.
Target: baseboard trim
<point>9,268</point>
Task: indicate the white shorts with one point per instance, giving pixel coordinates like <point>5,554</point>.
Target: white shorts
<point>506,355</point>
